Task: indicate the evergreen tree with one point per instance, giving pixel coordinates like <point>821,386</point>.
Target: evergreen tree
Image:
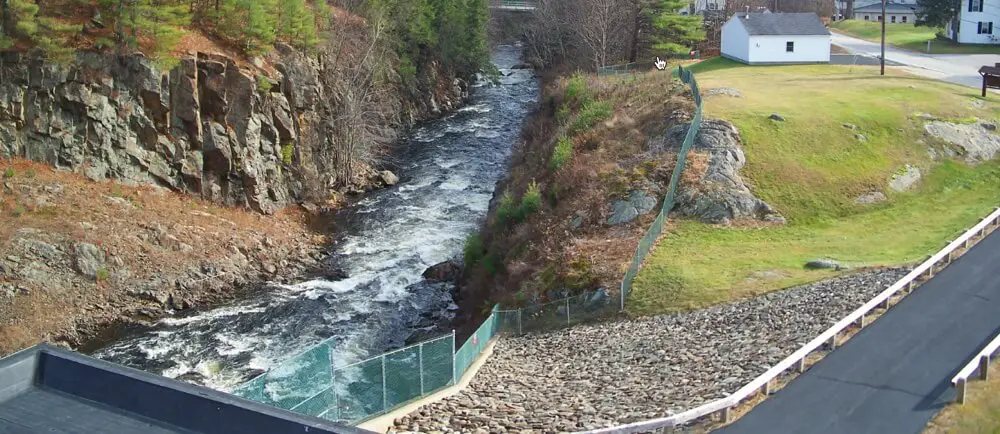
<point>672,31</point>
<point>936,13</point>
<point>324,15</point>
<point>249,23</point>
<point>296,23</point>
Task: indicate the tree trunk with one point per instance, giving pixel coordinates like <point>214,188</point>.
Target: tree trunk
<point>849,15</point>
<point>4,18</point>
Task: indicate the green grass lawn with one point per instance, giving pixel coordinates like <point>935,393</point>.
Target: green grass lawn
<point>812,168</point>
<point>910,37</point>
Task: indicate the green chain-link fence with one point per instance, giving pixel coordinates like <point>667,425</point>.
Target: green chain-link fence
<point>649,240</point>
<point>311,384</point>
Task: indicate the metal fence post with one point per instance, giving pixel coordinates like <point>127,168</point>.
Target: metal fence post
<point>567,311</point>
<point>385,401</point>
<point>984,367</point>
<point>519,330</point>
<point>454,361</point>
<point>960,391</point>
<point>420,356</point>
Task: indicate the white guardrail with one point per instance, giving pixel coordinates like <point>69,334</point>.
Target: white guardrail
<point>798,358</point>
<point>981,363</point>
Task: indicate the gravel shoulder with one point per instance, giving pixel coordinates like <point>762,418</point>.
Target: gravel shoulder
<point>618,372</point>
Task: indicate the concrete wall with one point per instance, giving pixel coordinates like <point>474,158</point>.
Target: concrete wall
<point>734,41</point>
<point>808,49</point>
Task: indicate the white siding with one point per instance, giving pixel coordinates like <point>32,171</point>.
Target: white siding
<point>968,30</point>
<point>771,49</point>
<point>735,43</point>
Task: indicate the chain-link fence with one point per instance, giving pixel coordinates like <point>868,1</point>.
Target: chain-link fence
<point>311,384</point>
<point>645,66</point>
<point>649,240</point>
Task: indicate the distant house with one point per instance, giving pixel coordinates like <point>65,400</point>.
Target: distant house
<point>775,38</point>
<point>898,12</point>
<point>974,23</point>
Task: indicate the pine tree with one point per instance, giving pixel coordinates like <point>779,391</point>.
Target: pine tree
<point>296,23</point>
<point>249,23</point>
<point>936,13</point>
<point>324,15</point>
<point>671,31</point>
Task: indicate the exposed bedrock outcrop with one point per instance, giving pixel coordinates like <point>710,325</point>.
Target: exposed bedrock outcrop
<point>206,127</point>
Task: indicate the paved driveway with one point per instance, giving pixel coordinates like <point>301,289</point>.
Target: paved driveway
<point>956,68</point>
<point>894,375</point>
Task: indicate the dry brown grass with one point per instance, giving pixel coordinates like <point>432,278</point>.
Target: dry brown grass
<point>609,159</point>
<point>127,233</point>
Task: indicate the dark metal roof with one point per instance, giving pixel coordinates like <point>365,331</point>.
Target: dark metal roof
<point>889,8</point>
<point>45,389</point>
<point>804,24</point>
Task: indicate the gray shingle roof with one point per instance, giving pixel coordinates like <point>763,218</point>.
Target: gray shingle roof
<point>889,7</point>
<point>806,23</point>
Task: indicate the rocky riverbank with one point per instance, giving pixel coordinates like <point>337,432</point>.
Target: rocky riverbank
<point>611,373</point>
<point>79,259</point>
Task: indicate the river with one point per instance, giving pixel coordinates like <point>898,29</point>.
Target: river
<point>448,170</point>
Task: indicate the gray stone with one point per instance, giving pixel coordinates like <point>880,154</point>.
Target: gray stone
<point>721,195</point>
<point>40,249</point>
<point>989,126</point>
<point>850,126</point>
<point>905,178</point>
<point>614,372</point>
<point>776,117</point>
<point>89,259</point>
<point>576,222</point>
<point>726,91</point>
<point>870,198</point>
<point>861,138</point>
<point>388,177</point>
<point>624,211</point>
<point>823,264</point>
<point>978,142</point>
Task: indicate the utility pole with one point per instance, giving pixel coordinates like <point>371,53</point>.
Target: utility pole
<point>883,38</point>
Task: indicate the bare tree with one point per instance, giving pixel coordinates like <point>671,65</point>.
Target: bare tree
<point>600,26</point>
<point>363,110</point>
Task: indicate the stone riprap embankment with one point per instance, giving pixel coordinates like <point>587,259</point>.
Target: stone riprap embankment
<point>611,373</point>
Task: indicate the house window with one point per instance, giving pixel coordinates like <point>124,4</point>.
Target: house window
<point>985,28</point>
<point>904,19</point>
<point>790,47</point>
<point>866,18</point>
<point>880,18</point>
<point>893,19</point>
<point>975,5</point>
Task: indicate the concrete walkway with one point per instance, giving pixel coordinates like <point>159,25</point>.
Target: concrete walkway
<point>955,68</point>
<point>895,375</point>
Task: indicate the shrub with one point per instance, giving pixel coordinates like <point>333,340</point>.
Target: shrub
<point>18,210</point>
<point>508,210</point>
<point>590,115</point>
<point>532,200</point>
<point>9,173</point>
<point>562,115</point>
<point>473,250</point>
<point>492,263</point>
<point>561,154</point>
<point>102,274</point>
<point>576,90</point>
<point>287,152</point>
<point>263,84</point>
<point>30,173</point>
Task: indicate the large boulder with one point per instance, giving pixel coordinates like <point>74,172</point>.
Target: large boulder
<point>638,203</point>
<point>719,195</point>
<point>447,271</point>
<point>89,259</point>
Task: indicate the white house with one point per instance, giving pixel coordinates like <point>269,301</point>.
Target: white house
<point>772,38</point>
<point>974,23</point>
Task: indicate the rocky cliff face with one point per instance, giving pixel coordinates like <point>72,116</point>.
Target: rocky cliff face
<point>207,127</point>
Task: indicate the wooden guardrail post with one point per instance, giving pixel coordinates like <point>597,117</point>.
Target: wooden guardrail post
<point>984,367</point>
<point>833,342</point>
<point>802,365</point>
<point>960,391</point>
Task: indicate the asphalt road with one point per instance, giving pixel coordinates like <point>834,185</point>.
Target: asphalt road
<point>894,375</point>
<point>955,68</point>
